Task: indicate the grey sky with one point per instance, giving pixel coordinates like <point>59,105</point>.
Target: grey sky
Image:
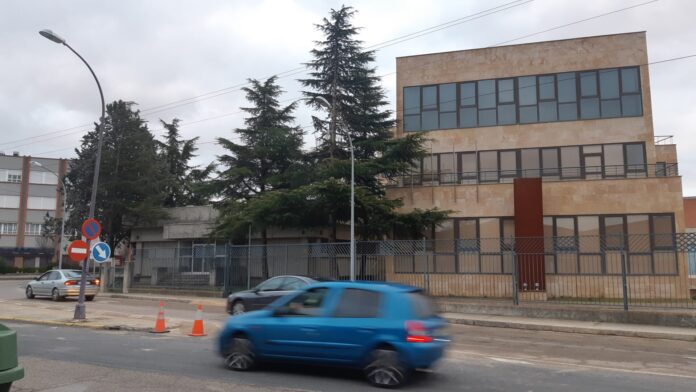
<point>156,52</point>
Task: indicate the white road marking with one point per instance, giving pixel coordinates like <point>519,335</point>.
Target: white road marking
<point>147,349</point>
<point>507,360</point>
<point>60,338</point>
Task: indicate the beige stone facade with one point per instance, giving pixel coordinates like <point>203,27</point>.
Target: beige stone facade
<point>655,192</point>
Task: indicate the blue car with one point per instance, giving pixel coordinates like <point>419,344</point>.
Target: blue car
<point>386,329</point>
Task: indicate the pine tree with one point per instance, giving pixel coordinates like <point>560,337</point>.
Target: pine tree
<point>132,176</point>
<point>269,145</point>
<point>188,185</point>
<point>342,74</point>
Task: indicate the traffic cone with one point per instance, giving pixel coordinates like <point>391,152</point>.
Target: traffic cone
<point>159,324</point>
<point>197,329</point>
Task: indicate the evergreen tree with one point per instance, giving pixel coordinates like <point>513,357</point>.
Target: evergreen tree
<point>187,184</point>
<point>342,74</point>
<point>132,177</point>
<point>269,145</point>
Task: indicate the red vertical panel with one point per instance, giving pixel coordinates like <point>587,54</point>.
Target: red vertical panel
<point>529,230</point>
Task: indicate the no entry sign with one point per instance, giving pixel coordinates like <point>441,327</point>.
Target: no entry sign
<point>91,229</point>
<point>78,250</point>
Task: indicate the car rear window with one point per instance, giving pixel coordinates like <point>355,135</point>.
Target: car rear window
<point>75,274</point>
<point>423,306</point>
<point>356,303</point>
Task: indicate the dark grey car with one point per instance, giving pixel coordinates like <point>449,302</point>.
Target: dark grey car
<point>265,293</point>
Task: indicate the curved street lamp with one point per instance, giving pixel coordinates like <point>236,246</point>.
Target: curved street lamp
<point>80,313</point>
<point>325,103</point>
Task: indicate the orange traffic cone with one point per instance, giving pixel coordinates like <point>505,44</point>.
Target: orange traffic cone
<point>159,324</point>
<point>197,329</point>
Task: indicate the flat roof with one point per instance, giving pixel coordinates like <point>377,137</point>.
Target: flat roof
<point>526,43</point>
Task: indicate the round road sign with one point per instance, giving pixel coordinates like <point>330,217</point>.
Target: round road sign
<point>78,250</point>
<point>91,229</point>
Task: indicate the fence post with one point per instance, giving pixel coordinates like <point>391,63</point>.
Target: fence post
<point>248,266</point>
<point>515,289</point>
<point>226,271</point>
<point>624,279</point>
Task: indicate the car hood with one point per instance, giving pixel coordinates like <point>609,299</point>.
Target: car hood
<point>238,293</point>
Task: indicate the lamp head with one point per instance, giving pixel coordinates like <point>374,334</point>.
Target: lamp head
<point>52,36</point>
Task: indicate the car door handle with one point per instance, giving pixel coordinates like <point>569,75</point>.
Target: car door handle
<point>305,329</point>
<point>366,330</point>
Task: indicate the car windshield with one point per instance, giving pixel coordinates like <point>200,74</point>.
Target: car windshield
<point>423,306</point>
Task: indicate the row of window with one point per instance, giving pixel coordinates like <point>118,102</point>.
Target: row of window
<point>567,162</point>
<point>29,228</point>
<point>33,202</point>
<point>588,244</point>
<point>568,96</point>
<point>35,177</point>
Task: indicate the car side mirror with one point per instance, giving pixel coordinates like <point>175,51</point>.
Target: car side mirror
<point>37,278</point>
<point>255,290</point>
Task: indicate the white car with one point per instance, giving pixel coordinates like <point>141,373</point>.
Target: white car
<point>59,284</point>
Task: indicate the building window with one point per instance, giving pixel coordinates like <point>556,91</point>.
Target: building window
<point>412,109</point>
<point>527,92</point>
<point>42,177</point>
<point>8,228</point>
<point>609,93</point>
<point>32,229</point>
<point>468,117</point>
<point>468,168</point>
<point>570,162</point>
<point>7,201</point>
<point>488,166</point>
<point>14,176</point>
<point>429,112</point>
<point>635,158</point>
<point>506,102</point>
<point>486,103</point>
<point>549,162</point>
<point>448,168</point>
<point>589,98</point>
<point>631,102</point>
<point>448,106</point>
<point>567,97</point>
<point>614,160</point>
<point>41,203</point>
<point>548,105</point>
<point>508,165</point>
<point>530,162</point>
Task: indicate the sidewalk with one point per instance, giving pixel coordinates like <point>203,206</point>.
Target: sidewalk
<point>108,312</point>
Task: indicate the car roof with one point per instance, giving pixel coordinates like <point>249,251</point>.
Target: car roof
<point>379,286</point>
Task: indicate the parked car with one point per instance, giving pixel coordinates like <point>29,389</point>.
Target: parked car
<point>266,292</point>
<point>10,370</point>
<point>387,330</point>
<point>59,284</point>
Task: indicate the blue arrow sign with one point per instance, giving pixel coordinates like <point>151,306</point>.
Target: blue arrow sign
<point>101,252</point>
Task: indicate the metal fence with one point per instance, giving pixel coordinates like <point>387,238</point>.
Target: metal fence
<point>638,270</point>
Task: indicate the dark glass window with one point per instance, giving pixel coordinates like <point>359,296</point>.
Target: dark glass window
<point>357,303</point>
<point>448,106</point>
<point>589,103</point>
<point>567,96</point>
<point>547,87</point>
<point>506,102</point>
<point>609,93</point>
<point>635,157</point>
<point>632,105</point>
<point>548,106</point>
<point>430,98</point>
<point>631,102</point>
<point>527,92</point>
<point>412,109</point>
<point>629,80</point>
<point>663,227</point>
<point>549,161</point>
<point>548,111</point>
<point>488,164</point>
<point>487,103</point>
<point>530,162</point>
<point>467,102</point>
<point>614,160</point>
<point>429,119</point>
<point>614,232</point>
<point>468,237</point>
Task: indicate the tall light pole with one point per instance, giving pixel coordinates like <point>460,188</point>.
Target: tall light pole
<point>62,221</point>
<point>80,313</point>
<point>323,102</point>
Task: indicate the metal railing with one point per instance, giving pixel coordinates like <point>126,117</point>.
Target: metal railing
<point>614,270</point>
<point>546,174</point>
<point>661,140</point>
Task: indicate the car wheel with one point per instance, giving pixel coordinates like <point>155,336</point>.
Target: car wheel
<point>240,356</point>
<point>55,295</point>
<point>238,308</point>
<point>29,293</point>
<point>89,298</point>
<point>385,369</point>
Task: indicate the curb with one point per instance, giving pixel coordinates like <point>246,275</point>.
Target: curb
<point>568,329</point>
<point>165,299</point>
<point>82,324</point>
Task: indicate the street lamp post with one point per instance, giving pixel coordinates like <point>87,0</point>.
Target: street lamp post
<point>80,313</point>
<point>62,220</point>
<point>323,102</point>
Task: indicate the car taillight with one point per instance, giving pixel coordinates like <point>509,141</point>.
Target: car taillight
<point>96,282</point>
<point>416,333</point>
<point>71,282</point>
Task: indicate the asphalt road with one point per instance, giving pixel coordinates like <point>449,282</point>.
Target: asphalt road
<point>481,359</point>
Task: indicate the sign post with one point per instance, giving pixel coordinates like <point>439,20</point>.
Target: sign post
<point>91,229</point>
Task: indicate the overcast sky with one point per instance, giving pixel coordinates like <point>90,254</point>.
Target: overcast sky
<point>159,52</point>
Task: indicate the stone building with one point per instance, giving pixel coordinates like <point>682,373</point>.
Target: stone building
<point>551,139</point>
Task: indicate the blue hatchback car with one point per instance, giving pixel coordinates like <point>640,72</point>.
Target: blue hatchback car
<point>386,329</point>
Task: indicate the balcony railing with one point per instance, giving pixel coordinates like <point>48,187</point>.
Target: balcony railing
<point>661,140</point>
<point>546,174</point>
